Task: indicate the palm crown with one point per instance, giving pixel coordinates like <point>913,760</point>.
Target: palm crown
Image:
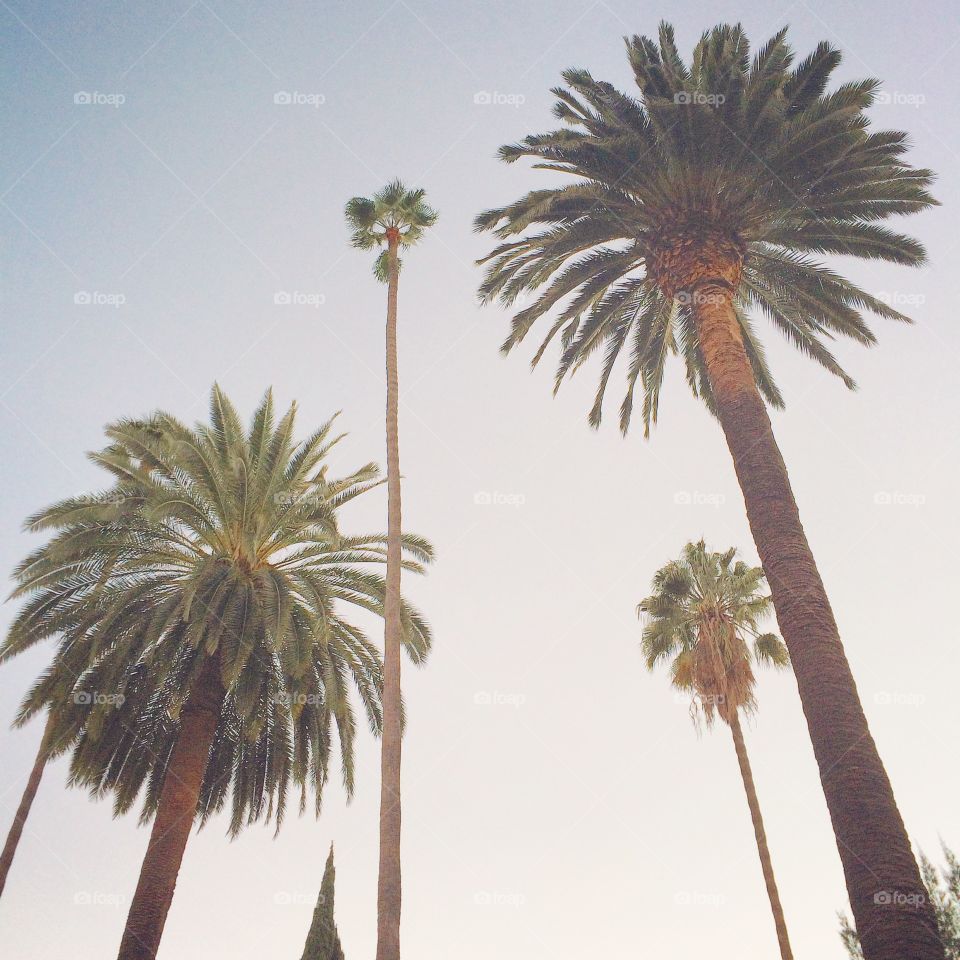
<point>214,545</point>
<point>750,163</point>
<point>393,213</point>
<point>703,616</point>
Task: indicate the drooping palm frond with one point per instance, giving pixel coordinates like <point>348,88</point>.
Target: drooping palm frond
<point>703,617</point>
<point>750,152</point>
<point>213,541</point>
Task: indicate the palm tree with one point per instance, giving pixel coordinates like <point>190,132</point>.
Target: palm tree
<point>395,217</point>
<point>702,616</point>
<point>203,654</point>
<point>692,207</point>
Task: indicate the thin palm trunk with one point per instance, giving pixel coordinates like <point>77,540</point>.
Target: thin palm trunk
<point>174,818</point>
<point>765,862</point>
<point>889,902</point>
<point>23,811</point>
<point>388,887</point>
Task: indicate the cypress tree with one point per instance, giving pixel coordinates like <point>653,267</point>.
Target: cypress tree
<point>323,941</point>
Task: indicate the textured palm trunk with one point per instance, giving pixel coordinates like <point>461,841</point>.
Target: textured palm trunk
<point>388,886</point>
<point>765,862</point>
<point>887,896</point>
<point>23,811</point>
<point>174,818</point>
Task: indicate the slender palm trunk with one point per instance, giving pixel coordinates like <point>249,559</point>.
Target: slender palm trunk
<point>889,902</point>
<point>174,818</point>
<point>765,862</point>
<point>23,811</point>
<point>388,887</point>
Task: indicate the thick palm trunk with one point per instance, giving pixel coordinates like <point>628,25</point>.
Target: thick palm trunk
<point>765,862</point>
<point>23,811</point>
<point>388,887</point>
<point>889,902</point>
<point>174,818</point>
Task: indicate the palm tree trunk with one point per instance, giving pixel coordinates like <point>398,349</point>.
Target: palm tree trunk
<point>765,863</point>
<point>889,902</point>
<point>388,887</point>
<point>23,811</point>
<point>174,818</point>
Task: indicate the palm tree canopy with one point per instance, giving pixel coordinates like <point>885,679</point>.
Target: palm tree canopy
<point>393,212</point>
<point>703,616</point>
<point>750,163</point>
<point>212,542</point>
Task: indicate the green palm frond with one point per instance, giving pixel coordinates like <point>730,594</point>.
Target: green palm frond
<point>393,211</point>
<point>704,610</point>
<point>217,541</point>
<point>756,152</point>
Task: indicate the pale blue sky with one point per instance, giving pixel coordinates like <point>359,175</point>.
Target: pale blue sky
<point>577,813</point>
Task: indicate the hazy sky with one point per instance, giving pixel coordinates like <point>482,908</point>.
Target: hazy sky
<point>558,802</point>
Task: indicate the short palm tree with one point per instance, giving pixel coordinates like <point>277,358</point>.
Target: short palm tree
<point>395,217</point>
<point>23,810</point>
<point>703,617</point>
<point>691,208</point>
<point>203,653</point>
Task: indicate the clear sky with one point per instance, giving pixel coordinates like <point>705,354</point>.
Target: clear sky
<point>558,802</point>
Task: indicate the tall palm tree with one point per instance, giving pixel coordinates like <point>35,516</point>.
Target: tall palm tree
<point>692,207</point>
<point>203,654</point>
<point>703,617</point>
<point>395,217</point>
